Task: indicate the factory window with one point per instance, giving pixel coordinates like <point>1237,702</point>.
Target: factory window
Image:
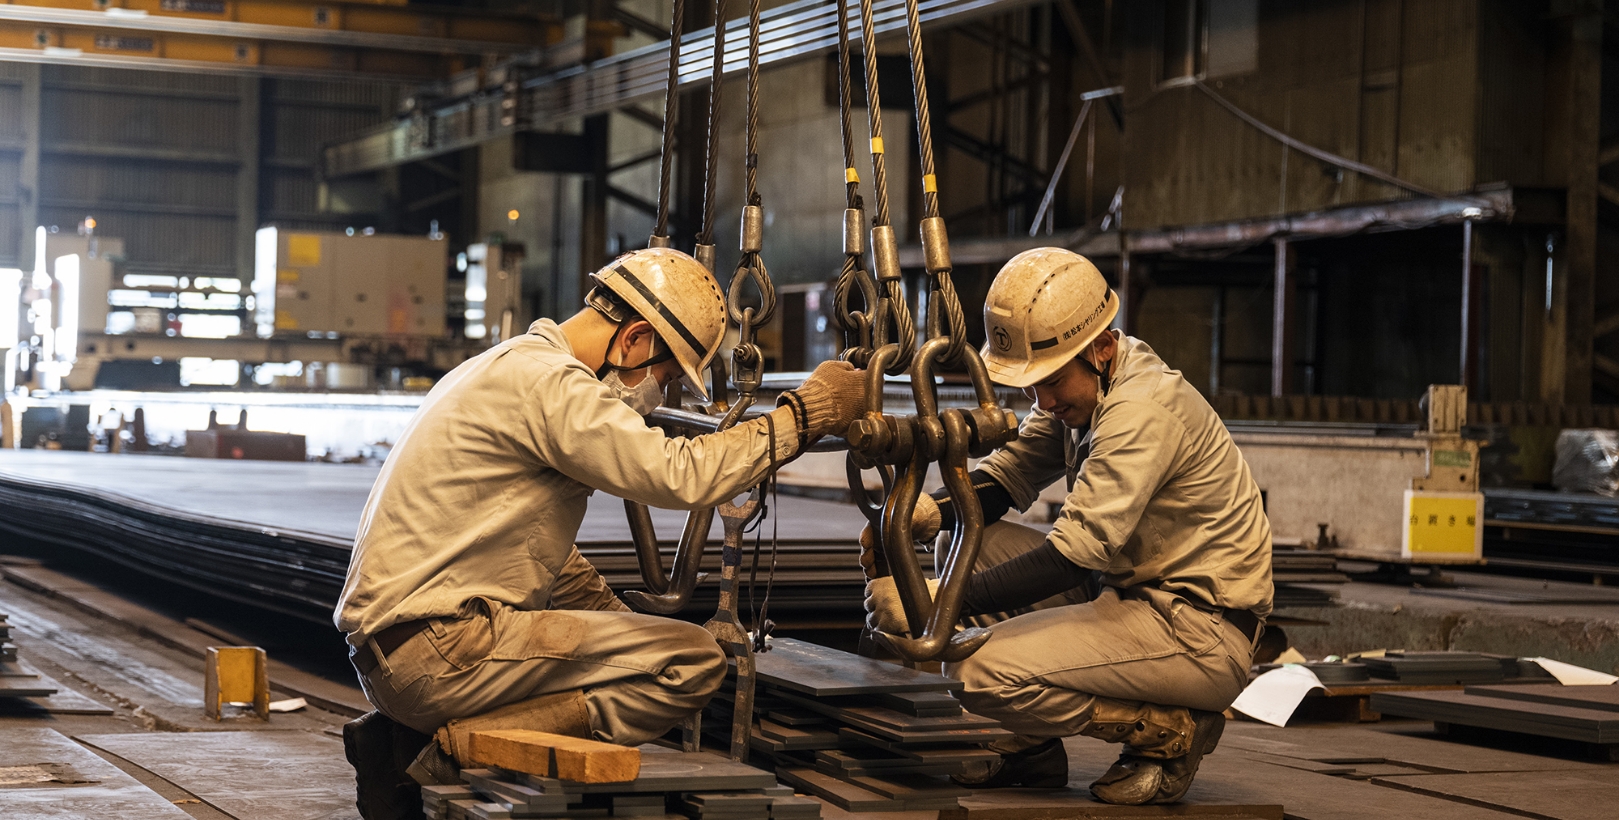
<point>1209,39</point>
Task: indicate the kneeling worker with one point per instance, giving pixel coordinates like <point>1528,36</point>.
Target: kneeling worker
<point>1134,620</point>
<point>468,607</point>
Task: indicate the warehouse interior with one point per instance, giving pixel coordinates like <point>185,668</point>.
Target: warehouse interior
<point>266,267</point>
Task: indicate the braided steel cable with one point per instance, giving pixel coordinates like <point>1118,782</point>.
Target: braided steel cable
<point>705,236</point>
<point>860,336</point>
<point>671,96</point>
<point>752,158</point>
<point>944,314</point>
<point>898,310</point>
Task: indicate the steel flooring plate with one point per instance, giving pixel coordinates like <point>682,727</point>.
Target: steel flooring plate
<point>46,776</point>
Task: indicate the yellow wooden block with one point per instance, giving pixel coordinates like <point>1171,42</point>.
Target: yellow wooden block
<point>559,756</point>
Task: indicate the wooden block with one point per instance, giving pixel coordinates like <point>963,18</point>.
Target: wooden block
<point>559,756</point>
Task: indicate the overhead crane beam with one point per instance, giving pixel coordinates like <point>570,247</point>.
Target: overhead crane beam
<point>793,31</point>
<point>331,40</point>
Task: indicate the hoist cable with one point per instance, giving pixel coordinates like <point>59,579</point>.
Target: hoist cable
<point>705,236</point>
<point>899,310</point>
<point>670,99</point>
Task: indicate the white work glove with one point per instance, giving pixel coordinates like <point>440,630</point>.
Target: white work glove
<point>925,521</point>
<point>884,612</point>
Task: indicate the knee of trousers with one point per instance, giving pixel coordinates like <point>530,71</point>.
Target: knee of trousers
<point>697,664</point>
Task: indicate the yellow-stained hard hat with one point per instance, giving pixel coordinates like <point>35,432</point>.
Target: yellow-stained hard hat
<point>679,298</point>
<point>1043,308</point>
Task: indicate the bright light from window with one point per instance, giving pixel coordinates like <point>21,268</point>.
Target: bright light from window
<point>10,306</point>
<point>120,322</point>
<point>209,326</point>
<point>211,372</point>
<point>141,298</point>
<point>146,280</point>
<point>67,323</point>
<point>266,374</point>
<point>209,301</point>
<point>264,251</point>
<point>218,283</point>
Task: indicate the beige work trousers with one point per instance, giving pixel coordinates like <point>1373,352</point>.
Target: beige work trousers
<point>641,674</point>
<point>1042,670</point>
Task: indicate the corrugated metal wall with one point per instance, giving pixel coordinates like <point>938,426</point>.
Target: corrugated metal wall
<point>158,158</point>
<point>11,151</point>
<point>1396,85</point>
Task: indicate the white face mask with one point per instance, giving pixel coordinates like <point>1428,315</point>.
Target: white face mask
<point>643,398</point>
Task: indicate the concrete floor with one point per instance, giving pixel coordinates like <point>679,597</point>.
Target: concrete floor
<point>292,767</point>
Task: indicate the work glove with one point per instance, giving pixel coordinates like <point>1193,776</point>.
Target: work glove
<point>828,401</point>
<point>925,522</point>
<point>884,612</point>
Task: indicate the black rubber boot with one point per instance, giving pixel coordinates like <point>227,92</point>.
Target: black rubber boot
<point>1044,766</point>
<point>379,749</point>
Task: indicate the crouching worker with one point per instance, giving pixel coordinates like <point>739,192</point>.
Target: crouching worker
<point>467,606</point>
<point>1134,620</point>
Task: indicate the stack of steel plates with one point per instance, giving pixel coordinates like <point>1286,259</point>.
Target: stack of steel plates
<point>16,681</point>
<point>673,785</point>
<point>1585,714</point>
<point>1440,668</point>
<point>861,734</point>
<point>1305,577</point>
<point>1547,531</point>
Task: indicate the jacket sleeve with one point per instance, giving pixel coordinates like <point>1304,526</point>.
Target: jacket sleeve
<point>1031,462</point>
<point>1134,448</point>
<point>580,586</point>
<point>576,426</point>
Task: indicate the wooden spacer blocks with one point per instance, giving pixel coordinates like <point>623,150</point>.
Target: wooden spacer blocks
<point>558,756</point>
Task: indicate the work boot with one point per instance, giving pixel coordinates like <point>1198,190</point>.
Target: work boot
<point>1179,771</point>
<point>1041,766</point>
<point>380,749</point>
<point>432,767</point>
<point>1162,750</point>
<point>563,713</point>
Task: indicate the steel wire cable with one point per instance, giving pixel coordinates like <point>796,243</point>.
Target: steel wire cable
<point>944,306</point>
<point>904,326</point>
<point>660,227</point>
<point>705,236</point>
<point>860,333</point>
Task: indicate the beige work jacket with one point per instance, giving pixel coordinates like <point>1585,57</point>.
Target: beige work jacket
<point>1158,493</point>
<point>483,494</point>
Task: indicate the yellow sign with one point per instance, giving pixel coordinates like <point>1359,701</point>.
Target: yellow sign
<point>303,250</point>
<point>1445,526</point>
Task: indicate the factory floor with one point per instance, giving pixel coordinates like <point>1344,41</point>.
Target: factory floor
<point>133,649</point>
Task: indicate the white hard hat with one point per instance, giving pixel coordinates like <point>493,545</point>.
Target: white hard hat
<point>1043,308</point>
<point>678,297</point>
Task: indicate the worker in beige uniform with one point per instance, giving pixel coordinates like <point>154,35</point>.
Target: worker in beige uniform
<point>468,607</point>
<point>1134,619</point>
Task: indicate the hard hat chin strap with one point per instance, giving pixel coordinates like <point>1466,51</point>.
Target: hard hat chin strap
<point>1102,378</point>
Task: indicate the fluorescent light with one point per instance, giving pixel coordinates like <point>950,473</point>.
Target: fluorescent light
<point>264,259</point>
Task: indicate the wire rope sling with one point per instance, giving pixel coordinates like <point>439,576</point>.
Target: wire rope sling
<point>901,448</point>
<point>669,592</point>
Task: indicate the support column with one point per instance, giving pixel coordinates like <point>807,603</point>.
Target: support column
<point>1464,373</point>
<point>1283,312</point>
<point>593,205</point>
<point>1577,62</point>
<point>249,102</point>
<point>28,171</point>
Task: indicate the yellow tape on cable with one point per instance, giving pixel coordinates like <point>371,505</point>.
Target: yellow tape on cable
<point>929,184</point>
<point>851,175</point>
<point>876,145</point>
